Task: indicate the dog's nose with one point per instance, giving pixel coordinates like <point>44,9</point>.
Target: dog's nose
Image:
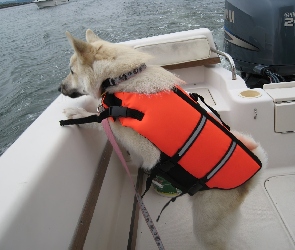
<point>59,89</point>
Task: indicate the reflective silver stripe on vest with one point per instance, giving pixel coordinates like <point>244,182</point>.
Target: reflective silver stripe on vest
<point>223,161</point>
<point>193,136</point>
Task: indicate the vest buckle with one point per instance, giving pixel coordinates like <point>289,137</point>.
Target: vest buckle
<point>115,111</point>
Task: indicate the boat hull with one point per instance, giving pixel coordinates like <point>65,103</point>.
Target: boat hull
<point>49,3</point>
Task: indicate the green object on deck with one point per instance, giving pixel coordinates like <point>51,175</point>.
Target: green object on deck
<point>164,188</point>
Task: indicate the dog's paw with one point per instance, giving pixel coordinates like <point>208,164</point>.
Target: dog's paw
<point>75,113</point>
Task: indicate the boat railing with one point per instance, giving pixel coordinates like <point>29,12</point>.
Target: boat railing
<point>229,59</point>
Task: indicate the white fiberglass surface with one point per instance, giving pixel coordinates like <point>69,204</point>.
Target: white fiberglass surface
<point>258,224</point>
<point>281,190</point>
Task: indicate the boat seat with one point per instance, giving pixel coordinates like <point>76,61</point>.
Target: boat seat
<point>180,52</point>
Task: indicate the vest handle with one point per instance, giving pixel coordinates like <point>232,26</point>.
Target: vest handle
<point>196,97</point>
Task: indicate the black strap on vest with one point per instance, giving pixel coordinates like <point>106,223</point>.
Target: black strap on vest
<point>195,96</point>
<point>166,205</point>
<point>177,176</point>
<point>113,111</point>
<point>171,171</point>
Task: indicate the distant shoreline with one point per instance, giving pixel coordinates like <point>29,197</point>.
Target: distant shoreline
<point>6,5</point>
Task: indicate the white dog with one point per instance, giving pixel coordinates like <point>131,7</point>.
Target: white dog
<point>95,61</point>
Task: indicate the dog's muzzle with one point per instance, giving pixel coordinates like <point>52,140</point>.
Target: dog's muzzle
<point>73,94</point>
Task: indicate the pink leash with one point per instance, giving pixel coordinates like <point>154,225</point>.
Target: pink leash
<point>145,213</point>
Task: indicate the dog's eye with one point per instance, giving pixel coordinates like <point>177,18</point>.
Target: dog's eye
<point>71,71</point>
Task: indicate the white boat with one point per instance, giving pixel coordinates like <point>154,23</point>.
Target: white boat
<point>52,176</point>
<point>49,3</point>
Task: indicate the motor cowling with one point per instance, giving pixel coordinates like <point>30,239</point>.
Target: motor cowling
<point>260,36</point>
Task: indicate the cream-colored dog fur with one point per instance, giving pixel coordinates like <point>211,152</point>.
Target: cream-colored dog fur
<point>96,60</point>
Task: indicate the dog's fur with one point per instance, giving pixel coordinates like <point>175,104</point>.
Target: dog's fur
<point>96,60</point>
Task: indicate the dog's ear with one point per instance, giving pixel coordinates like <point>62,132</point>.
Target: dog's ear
<point>91,37</point>
<point>82,49</point>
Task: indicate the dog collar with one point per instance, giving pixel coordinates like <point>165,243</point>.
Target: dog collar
<point>115,81</point>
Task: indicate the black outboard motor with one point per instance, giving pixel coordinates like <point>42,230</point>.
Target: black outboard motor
<point>260,36</point>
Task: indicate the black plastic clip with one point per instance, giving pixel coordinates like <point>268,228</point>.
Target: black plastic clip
<point>115,111</point>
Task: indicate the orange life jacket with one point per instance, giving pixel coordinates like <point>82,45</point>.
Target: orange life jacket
<point>198,152</point>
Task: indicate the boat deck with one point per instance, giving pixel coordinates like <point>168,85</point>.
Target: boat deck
<point>264,221</point>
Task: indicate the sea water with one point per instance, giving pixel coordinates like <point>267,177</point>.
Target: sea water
<point>34,51</point>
